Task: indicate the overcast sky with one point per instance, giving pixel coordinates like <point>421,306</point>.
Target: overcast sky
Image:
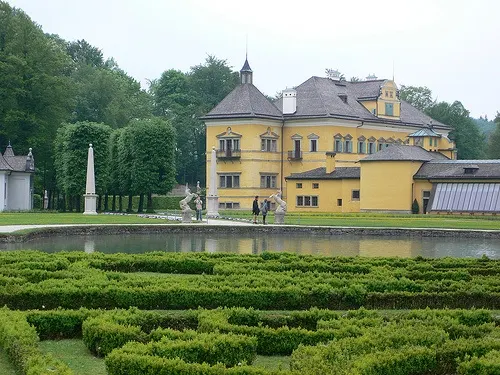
<point>450,46</point>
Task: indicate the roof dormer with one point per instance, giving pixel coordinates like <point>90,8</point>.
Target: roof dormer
<point>388,103</point>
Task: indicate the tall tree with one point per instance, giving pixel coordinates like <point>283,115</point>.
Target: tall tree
<point>469,140</point>
<point>72,144</point>
<point>35,88</point>
<point>183,98</point>
<point>82,53</point>
<point>418,96</point>
<point>494,142</point>
<point>152,167</point>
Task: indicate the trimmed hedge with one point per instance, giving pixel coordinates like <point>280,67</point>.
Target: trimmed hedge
<point>20,341</point>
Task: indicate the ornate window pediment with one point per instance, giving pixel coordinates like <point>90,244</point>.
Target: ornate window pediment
<point>296,136</point>
<point>362,138</point>
<point>313,136</point>
<point>338,135</point>
<point>348,136</point>
<point>269,134</point>
<point>390,140</point>
<point>372,139</point>
<point>381,140</point>
<point>229,134</point>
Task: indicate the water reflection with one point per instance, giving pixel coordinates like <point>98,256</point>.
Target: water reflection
<point>345,245</point>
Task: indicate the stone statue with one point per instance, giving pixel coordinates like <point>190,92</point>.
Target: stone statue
<point>280,202</point>
<point>184,204</point>
<point>279,214</point>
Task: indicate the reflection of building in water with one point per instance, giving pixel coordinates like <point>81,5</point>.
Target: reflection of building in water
<point>89,246</point>
<point>383,247</point>
<point>210,245</point>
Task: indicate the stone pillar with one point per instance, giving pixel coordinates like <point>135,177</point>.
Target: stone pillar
<point>212,197</point>
<point>279,217</point>
<point>90,195</point>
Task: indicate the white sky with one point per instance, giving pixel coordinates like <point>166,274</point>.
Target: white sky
<point>450,46</point>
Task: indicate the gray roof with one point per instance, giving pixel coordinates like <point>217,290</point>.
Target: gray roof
<point>454,169</point>
<point>9,151</point>
<point>4,166</point>
<point>396,152</point>
<point>320,174</point>
<point>246,67</point>
<point>319,97</point>
<point>10,162</point>
<point>244,101</point>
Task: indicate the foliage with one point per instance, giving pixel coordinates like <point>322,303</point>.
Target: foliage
<point>415,209</point>
<point>72,144</point>
<point>282,281</point>
<point>35,87</point>
<point>20,342</point>
<point>183,98</point>
<point>419,97</point>
<point>494,141</point>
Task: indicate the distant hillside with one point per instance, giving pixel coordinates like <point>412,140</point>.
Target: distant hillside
<point>486,126</point>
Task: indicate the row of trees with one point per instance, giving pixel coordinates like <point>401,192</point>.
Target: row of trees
<point>46,81</point>
<point>135,160</point>
<point>471,142</point>
<point>49,88</point>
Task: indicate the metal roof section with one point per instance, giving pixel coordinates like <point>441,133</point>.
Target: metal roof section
<point>466,197</point>
<point>426,132</point>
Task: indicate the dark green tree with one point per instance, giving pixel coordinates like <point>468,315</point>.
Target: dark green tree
<point>418,96</point>
<point>183,98</point>
<point>72,144</point>
<point>152,166</point>
<point>82,53</point>
<point>494,142</point>
<point>469,140</point>
<point>35,89</point>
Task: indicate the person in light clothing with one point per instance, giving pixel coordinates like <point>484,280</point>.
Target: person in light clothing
<point>199,207</point>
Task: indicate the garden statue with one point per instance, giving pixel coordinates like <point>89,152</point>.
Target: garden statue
<point>184,204</point>
<point>279,213</point>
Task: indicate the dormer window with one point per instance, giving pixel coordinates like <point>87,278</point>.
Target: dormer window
<point>471,169</point>
<point>389,109</point>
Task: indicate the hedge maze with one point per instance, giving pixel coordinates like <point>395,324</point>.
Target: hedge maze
<point>161,313</point>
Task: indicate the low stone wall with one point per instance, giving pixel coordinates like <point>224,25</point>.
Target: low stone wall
<point>269,230</point>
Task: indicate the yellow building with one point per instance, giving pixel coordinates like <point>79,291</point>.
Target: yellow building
<point>328,145</point>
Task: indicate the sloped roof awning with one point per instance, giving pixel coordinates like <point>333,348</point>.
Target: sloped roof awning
<point>466,197</point>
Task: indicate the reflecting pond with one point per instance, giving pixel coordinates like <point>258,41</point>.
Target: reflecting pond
<point>248,243</point>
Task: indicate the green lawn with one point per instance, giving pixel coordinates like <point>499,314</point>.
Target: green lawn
<point>15,218</point>
<point>6,368</point>
<point>82,362</point>
<point>272,362</point>
<point>382,220</point>
<point>344,220</point>
<point>75,355</point>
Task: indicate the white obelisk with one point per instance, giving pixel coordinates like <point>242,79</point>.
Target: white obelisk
<point>212,197</point>
<point>90,195</point>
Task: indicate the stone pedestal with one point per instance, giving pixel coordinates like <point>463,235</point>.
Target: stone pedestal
<point>212,207</point>
<point>187,216</point>
<point>90,204</point>
<point>279,218</point>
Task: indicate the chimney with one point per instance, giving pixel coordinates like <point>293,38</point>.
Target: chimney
<point>330,162</point>
<point>289,101</point>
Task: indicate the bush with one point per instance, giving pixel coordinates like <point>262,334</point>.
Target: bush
<point>415,208</point>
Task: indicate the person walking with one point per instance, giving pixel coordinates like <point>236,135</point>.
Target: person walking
<point>263,210</point>
<point>199,208</point>
<point>255,209</point>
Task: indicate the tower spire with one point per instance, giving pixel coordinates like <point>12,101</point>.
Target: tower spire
<point>246,73</point>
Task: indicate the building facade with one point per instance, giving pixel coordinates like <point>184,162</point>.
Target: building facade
<point>323,145</point>
<point>16,181</point>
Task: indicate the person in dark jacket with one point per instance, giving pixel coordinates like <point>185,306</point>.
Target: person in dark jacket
<point>263,210</point>
<point>255,209</point>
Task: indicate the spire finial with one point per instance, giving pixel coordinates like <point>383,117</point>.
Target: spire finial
<point>246,48</point>
<point>393,70</point>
